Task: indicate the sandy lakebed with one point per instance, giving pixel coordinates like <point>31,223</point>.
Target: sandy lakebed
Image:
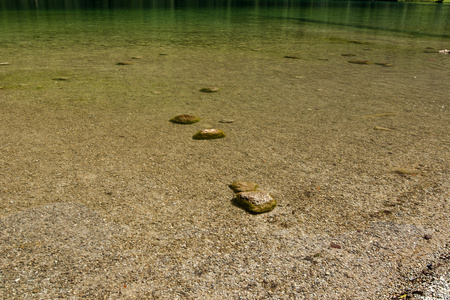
<point>101,197</point>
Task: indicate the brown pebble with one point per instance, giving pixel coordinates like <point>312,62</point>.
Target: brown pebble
<point>185,119</point>
<point>336,246</point>
<point>427,237</point>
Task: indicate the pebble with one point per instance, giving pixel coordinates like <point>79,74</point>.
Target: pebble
<point>384,64</point>
<point>209,89</point>
<point>242,186</point>
<point>226,121</point>
<point>256,201</point>
<point>124,63</point>
<point>61,78</point>
<point>291,57</point>
<point>336,246</point>
<point>348,54</point>
<point>185,119</point>
<point>209,134</point>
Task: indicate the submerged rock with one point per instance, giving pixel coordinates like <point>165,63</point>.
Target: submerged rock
<point>185,119</point>
<point>242,186</point>
<point>226,121</point>
<point>124,63</point>
<point>384,64</point>
<point>209,89</point>
<point>256,201</point>
<point>209,134</point>
<point>360,62</point>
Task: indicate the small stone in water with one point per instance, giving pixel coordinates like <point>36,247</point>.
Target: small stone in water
<point>291,56</point>
<point>209,89</point>
<point>124,63</point>
<point>427,237</point>
<point>384,64</point>
<point>226,121</point>
<point>256,201</point>
<point>336,246</point>
<point>185,119</point>
<point>242,186</point>
<point>61,78</point>
<point>209,134</point>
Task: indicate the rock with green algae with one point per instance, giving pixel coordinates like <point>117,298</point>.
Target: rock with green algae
<point>185,119</point>
<point>242,186</point>
<point>209,134</point>
<point>212,89</point>
<point>255,201</point>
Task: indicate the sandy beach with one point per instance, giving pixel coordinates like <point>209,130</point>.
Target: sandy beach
<point>103,198</point>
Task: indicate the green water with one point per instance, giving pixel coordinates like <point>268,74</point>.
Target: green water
<point>41,40</point>
<point>222,23</point>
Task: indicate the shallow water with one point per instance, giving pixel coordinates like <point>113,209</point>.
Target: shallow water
<point>309,101</point>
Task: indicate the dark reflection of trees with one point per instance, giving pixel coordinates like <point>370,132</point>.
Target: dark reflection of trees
<point>136,4</point>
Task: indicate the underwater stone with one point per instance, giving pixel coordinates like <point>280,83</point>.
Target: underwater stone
<point>226,121</point>
<point>209,89</point>
<point>124,63</point>
<point>242,186</point>
<point>360,62</point>
<point>256,201</point>
<point>185,119</point>
<point>209,134</point>
<point>384,64</point>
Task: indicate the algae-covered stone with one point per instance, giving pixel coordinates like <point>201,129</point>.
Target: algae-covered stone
<point>256,201</point>
<point>243,186</point>
<point>208,134</point>
<point>212,89</point>
<point>185,119</point>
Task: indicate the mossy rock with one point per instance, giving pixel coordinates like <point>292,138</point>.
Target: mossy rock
<point>242,186</point>
<point>209,89</point>
<point>185,119</point>
<point>209,134</point>
<point>255,201</point>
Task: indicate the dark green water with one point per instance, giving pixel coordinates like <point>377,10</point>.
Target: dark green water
<point>222,22</point>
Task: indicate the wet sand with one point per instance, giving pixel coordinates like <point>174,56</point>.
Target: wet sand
<point>103,197</point>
